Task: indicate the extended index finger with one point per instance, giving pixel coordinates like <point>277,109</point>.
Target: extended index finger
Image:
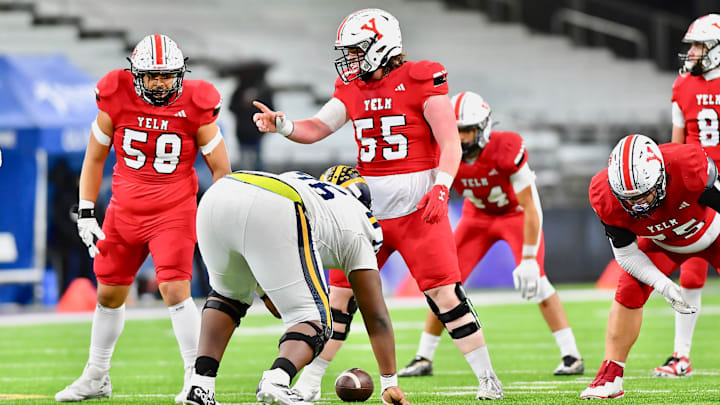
<point>262,107</point>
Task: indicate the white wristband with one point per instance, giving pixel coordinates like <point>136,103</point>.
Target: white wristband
<point>529,250</point>
<point>387,381</point>
<point>85,204</point>
<point>284,126</point>
<point>444,179</point>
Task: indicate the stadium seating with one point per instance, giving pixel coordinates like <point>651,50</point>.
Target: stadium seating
<point>536,83</point>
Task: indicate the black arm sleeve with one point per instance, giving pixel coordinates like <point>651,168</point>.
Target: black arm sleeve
<point>711,196</point>
<point>619,237</point>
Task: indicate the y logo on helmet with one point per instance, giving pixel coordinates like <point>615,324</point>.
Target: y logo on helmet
<point>652,156</point>
<point>372,28</point>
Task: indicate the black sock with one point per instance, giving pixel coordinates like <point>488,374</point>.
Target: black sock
<point>286,365</point>
<point>206,366</point>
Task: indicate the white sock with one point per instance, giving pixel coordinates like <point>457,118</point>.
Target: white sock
<point>205,382</point>
<point>107,326</point>
<point>685,323</point>
<point>479,360</point>
<point>185,319</point>
<point>428,345</point>
<point>313,373</point>
<point>566,342</point>
<point>619,363</point>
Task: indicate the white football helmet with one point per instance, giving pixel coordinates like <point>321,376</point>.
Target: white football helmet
<point>157,54</point>
<point>636,173</point>
<point>705,30</point>
<point>472,112</point>
<point>374,32</point>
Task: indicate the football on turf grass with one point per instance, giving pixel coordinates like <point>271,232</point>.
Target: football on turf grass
<point>354,385</point>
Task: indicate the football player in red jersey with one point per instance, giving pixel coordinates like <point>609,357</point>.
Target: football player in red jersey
<point>501,203</point>
<point>157,122</point>
<point>695,111</point>
<point>408,152</point>
<point>659,206</point>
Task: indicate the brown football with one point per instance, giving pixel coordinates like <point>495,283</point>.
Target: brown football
<point>354,385</point>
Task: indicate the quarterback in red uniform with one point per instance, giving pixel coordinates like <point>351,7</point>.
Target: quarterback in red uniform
<point>659,206</point>
<point>408,152</point>
<point>695,112</point>
<point>157,122</point>
<point>501,203</point>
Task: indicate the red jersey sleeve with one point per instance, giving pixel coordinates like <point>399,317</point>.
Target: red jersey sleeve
<point>692,162</point>
<point>601,198</point>
<point>432,77</point>
<point>508,151</point>
<point>677,85</point>
<point>207,102</point>
<point>106,88</point>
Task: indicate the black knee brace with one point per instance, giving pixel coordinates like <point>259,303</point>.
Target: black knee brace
<point>235,309</point>
<point>316,342</point>
<point>458,312</point>
<point>344,318</point>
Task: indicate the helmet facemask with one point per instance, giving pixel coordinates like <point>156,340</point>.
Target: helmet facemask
<point>157,55</point>
<point>636,175</point>
<point>709,60</point>
<point>351,64</point>
<point>368,39</point>
<point>638,206</point>
<point>703,31</point>
<point>481,138</point>
<point>158,96</point>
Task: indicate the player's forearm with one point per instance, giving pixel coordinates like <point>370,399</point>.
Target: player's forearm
<point>382,340</point>
<point>309,131</point>
<point>531,229</point>
<point>92,170</point>
<point>636,263</point>
<point>218,162</point>
<point>90,179</point>
<point>678,135</point>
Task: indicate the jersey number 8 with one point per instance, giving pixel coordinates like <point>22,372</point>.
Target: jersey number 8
<point>167,151</point>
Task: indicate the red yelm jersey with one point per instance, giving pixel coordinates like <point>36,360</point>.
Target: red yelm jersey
<point>486,182</point>
<point>680,222</point>
<point>155,146</point>
<point>390,129</point>
<point>699,101</point>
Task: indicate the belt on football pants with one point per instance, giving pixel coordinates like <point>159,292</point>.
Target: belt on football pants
<point>270,184</point>
<point>311,268</point>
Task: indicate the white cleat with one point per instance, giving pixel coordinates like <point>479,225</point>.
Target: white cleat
<point>490,387</point>
<point>675,366</point>
<point>179,398</point>
<point>608,384</point>
<point>271,393</point>
<point>93,383</point>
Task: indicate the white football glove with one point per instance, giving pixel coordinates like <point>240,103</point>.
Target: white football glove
<point>525,277</point>
<point>673,295</point>
<point>88,228</point>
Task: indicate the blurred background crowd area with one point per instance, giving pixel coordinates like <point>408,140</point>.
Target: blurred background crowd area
<point>571,76</point>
